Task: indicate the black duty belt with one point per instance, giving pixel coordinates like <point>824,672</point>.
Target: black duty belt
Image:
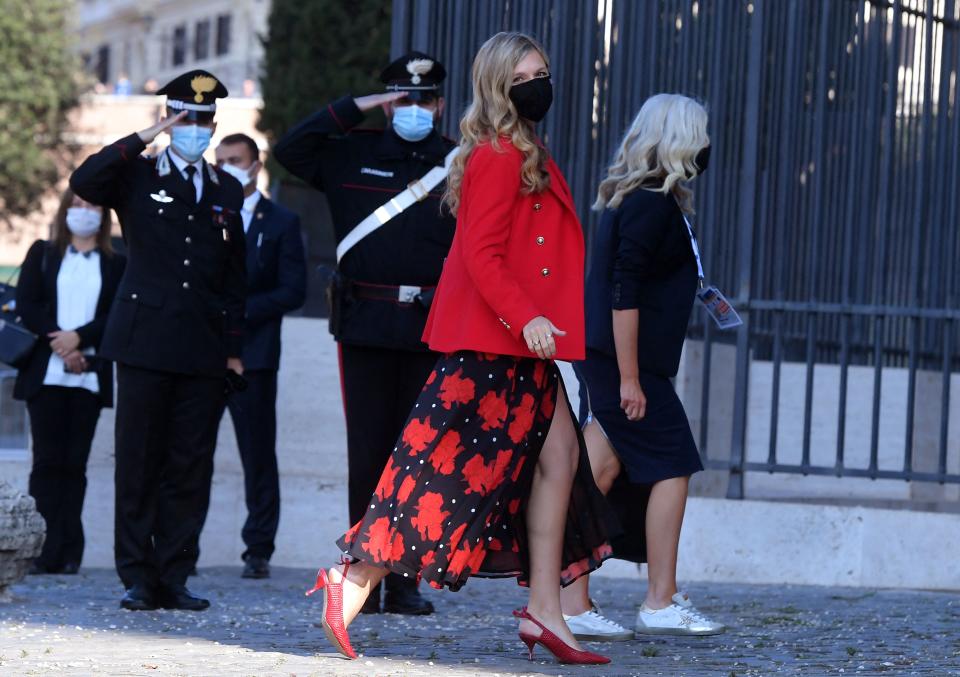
<point>386,292</point>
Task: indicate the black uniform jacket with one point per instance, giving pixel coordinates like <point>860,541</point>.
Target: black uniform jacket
<point>360,170</point>
<point>642,258</point>
<point>276,281</point>
<point>37,307</point>
<point>180,305</point>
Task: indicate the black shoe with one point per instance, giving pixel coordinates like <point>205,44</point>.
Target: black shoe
<point>193,571</point>
<point>372,604</point>
<point>256,567</point>
<point>70,568</point>
<point>138,598</point>
<point>178,597</point>
<point>403,598</point>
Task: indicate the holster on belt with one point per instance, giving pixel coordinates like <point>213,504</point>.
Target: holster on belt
<point>342,291</point>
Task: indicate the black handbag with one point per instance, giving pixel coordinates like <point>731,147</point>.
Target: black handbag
<point>16,341</point>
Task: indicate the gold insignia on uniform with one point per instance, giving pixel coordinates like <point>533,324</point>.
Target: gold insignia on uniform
<point>418,67</point>
<point>202,84</point>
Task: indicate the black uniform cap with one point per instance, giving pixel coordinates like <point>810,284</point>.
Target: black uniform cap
<point>195,92</point>
<point>417,74</point>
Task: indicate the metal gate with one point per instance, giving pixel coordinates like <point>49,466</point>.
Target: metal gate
<point>830,212</point>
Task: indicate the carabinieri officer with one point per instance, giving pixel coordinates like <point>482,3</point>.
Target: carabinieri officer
<point>386,279</point>
<point>174,331</point>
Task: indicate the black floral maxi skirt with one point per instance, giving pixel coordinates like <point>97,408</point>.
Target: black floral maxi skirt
<point>451,502</point>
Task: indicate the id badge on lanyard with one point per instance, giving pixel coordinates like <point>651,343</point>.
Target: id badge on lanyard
<point>712,299</point>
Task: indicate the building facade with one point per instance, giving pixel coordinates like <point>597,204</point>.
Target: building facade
<point>136,47</point>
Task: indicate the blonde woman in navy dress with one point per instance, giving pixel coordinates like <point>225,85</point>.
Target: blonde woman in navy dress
<point>641,283</point>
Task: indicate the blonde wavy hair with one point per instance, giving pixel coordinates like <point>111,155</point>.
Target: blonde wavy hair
<point>659,146</point>
<point>491,114</point>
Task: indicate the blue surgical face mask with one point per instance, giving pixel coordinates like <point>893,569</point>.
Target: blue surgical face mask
<point>412,123</point>
<point>190,141</point>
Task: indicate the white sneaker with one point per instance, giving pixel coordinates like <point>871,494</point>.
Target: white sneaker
<point>680,618</point>
<point>592,626</point>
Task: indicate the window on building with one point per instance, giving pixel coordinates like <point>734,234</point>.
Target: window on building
<point>101,64</point>
<point>179,45</point>
<point>201,40</point>
<point>223,34</point>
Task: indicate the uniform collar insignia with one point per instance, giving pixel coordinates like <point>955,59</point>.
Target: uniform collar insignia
<point>163,164</point>
<point>212,173</point>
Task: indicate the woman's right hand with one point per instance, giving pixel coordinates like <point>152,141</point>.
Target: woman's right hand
<point>632,400</point>
<point>150,133</point>
<point>74,363</point>
<point>539,333</point>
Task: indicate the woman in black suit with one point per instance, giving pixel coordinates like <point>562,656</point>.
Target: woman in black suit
<point>64,294</point>
<point>640,290</point>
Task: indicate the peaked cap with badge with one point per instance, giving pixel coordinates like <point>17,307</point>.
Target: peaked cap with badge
<point>196,92</point>
<point>417,74</point>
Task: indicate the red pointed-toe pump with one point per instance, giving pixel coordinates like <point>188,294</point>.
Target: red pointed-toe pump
<point>332,622</point>
<point>563,652</point>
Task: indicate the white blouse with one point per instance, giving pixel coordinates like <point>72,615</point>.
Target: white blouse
<point>78,290</point>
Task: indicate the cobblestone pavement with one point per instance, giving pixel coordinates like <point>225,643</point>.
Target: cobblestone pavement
<point>71,625</point>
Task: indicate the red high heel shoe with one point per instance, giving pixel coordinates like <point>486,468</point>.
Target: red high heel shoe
<point>562,651</point>
<point>332,622</point>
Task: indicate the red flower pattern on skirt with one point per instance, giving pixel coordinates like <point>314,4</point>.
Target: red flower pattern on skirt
<point>451,501</point>
<point>418,435</point>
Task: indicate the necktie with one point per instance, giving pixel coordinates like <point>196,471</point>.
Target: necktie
<point>191,172</point>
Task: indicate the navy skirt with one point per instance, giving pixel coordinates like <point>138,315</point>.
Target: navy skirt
<point>659,446</point>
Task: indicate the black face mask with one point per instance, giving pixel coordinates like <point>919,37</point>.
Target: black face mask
<point>532,98</point>
<point>702,160</point>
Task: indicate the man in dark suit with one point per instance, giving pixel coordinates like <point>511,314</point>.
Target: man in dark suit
<point>174,331</point>
<point>276,284</point>
<point>387,280</point>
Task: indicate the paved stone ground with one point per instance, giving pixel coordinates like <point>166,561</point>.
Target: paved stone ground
<point>71,625</point>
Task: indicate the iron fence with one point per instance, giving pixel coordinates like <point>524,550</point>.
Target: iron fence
<point>830,212</point>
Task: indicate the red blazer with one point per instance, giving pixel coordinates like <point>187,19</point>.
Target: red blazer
<point>514,257</point>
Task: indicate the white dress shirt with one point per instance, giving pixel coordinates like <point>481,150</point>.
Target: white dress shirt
<point>182,164</point>
<point>249,209</point>
<point>78,290</point>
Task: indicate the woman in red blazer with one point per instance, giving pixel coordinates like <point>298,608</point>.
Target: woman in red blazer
<point>490,476</point>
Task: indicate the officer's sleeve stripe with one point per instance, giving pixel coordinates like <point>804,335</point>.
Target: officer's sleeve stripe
<point>333,113</point>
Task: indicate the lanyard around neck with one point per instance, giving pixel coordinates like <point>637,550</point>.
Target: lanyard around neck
<point>696,249</point>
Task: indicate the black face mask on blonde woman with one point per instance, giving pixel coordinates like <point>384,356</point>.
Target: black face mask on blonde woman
<point>532,98</point>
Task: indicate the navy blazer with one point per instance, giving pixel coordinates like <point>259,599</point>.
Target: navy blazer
<point>37,308</point>
<point>642,258</point>
<point>276,281</point>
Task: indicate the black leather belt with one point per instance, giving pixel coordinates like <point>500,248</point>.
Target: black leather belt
<point>385,292</point>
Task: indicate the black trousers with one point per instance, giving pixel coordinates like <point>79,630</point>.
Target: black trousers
<point>254,415</point>
<point>62,423</point>
<point>165,437</point>
<point>380,387</point>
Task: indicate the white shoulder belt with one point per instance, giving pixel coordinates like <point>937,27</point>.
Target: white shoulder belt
<point>416,191</point>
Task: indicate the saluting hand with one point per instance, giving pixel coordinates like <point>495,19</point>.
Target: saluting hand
<point>150,133</point>
<point>539,334</point>
<point>371,101</point>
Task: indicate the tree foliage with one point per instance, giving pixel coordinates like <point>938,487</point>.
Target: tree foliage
<point>318,50</point>
<point>39,83</point>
